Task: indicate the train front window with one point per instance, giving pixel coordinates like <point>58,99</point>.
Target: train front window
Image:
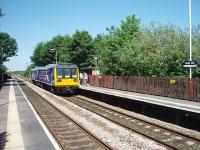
<point>66,73</point>
<point>59,73</point>
<point>74,73</point>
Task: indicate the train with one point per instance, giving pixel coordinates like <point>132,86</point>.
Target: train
<point>58,78</point>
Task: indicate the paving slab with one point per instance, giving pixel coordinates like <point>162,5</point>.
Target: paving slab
<point>4,101</point>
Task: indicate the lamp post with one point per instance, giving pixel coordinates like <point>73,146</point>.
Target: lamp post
<point>96,60</point>
<point>97,71</point>
<point>53,49</point>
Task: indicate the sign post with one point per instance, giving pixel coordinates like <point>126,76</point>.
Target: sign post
<point>190,64</point>
<point>190,92</point>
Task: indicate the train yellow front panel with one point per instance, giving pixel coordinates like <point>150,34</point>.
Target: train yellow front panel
<point>66,82</point>
<point>62,82</point>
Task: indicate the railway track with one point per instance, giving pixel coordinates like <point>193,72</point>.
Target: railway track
<point>167,137</point>
<point>68,133</point>
<point>164,136</point>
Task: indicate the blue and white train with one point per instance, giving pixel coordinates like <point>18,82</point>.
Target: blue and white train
<point>58,78</point>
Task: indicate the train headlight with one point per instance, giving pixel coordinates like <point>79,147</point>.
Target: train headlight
<point>75,80</point>
<point>59,80</point>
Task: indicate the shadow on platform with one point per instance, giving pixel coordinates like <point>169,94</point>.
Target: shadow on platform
<point>11,82</point>
<point>3,140</point>
<point>6,104</point>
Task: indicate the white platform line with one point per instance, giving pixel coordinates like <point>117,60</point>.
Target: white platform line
<point>56,146</point>
<point>14,138</point>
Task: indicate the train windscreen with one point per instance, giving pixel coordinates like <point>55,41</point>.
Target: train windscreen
<point>67,72</point>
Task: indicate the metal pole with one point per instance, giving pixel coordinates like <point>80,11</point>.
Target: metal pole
<point>53,49</point>
<point>56,56</point>
<point>97,65</point>
<point>190,17</point>
<point>190,76</point>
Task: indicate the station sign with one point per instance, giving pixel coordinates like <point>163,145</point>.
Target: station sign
<point>190,64</point>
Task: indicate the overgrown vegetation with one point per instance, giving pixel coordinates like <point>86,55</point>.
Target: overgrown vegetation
<point>127,50</point>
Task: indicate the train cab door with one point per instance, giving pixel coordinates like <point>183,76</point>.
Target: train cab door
<point>49,75</point>
<point>51,72</point>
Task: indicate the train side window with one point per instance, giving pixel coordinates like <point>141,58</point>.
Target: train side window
<point>40,72</point>
<point>43,73</point>
<point>59,73</point>
<point>66,73</point>
<point>74,72</point>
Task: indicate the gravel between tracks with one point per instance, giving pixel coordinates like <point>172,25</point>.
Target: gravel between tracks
<point>116,136</point>
<point>170,126</point>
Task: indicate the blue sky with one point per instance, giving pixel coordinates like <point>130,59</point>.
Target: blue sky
<point>33,21</point>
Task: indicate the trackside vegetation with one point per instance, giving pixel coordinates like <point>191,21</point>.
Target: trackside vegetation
<point>127,50</point>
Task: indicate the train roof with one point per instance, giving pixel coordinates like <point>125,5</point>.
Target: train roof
<point>63,65</point>
<point>37,68</point>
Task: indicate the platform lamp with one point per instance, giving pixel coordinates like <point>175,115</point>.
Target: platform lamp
<point>96,61</point>
<point>53,49</point>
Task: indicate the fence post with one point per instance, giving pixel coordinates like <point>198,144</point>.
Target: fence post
<point>198,98</point>
<point>190,89</point>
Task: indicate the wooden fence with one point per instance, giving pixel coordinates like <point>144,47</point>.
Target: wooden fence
<point>168,87</point>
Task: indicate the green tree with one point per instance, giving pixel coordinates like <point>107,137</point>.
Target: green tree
<point>82,49</point>
<point>165,48</point>
<point>3,69</point>
<point>43,53</point>
<point>196,49</point>
<point>8,47</point>
<point>39,55</point>
<point>62,45</point>
<point>99,46</point>
<point>115,52</point>
<point>127,50</point>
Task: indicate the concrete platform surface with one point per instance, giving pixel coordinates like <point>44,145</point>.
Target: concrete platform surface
<point>157,100</point>
<point>20,126</point>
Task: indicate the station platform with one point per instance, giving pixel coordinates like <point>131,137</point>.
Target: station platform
<point>20,126</point>
<point>179,104</point>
